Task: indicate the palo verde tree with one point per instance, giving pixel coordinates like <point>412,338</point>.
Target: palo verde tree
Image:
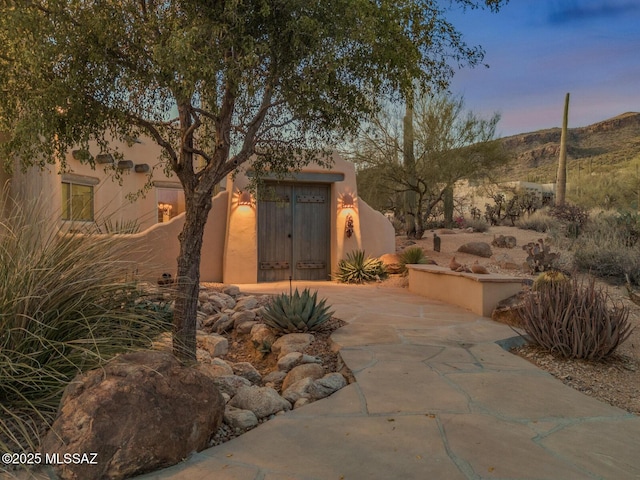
<point>214,83</point>
<point>450,144</point>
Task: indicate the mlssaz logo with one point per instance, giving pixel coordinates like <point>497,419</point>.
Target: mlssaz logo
<point>72,458</point>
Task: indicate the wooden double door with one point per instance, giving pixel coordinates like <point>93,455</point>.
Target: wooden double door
<point>294,232</point>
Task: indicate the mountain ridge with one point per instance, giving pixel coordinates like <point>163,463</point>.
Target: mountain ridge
<point>601,146</point>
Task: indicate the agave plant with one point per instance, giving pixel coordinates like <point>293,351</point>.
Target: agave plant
<point>358,268</point>
<point>297,312</point>
<point>412,256</point>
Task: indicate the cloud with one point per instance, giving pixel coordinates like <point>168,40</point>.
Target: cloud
<point>576,11</point>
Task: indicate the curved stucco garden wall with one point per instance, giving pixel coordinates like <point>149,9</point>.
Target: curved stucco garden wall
<point>156,249</point>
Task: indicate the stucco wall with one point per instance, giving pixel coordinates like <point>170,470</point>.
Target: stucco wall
<point>156,249</point>
<point>371,230</point>
<point>110,196</point>
<point>230,250</point>
<point>378,235</point>
<point>240,262</point>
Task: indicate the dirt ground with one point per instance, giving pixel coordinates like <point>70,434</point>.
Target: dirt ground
<point>615,381</point>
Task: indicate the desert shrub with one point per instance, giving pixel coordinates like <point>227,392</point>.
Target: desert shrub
<point>358,268</point>
<point>66,306</point>
<point>478,225</point>
<point>538,221</point>
<point>573,217</point>
<point>603,249</point>
<point>412,256</point>
<point>297,312</point>
<point>629,225</point>
<point>574,320</point>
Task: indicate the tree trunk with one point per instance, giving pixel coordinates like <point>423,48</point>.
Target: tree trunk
<point>561,179</point>
<point>448,207</point>
<point>188,279</point>
<point>410,211</point>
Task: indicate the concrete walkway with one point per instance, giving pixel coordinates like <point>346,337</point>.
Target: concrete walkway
<point>435,398</point>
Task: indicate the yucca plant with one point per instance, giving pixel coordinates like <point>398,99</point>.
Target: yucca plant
<point>297,312</point>
<point>574,320</point>
<point>358,268</point>
<point>412,256</point>
<point>66,306</point>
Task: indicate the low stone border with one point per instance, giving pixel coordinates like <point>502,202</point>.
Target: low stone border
<point>479,293</point>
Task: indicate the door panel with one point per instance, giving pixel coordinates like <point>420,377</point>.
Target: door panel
<point>293,232</point>
<point>274,230</point>
<point>310,232</point>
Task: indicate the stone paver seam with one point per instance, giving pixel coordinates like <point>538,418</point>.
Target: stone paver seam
<point>365,348</point>
<point>537,441</point>
<point>453,385</point>
<point>461,464</point>
<point>364,407</point>
<point>539,437</point>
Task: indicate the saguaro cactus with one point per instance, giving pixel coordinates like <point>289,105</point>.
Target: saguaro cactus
<point>561,178</point>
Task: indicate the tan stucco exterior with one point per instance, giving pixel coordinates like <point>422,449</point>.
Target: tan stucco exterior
<point>372,231</point>
<point>230,249</point>
<point>476,292</point>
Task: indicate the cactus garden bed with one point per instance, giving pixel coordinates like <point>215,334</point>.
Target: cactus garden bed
<point>615,380</point>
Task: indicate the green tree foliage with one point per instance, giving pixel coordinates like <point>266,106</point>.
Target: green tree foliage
<point>271,80</point>
<point>450,144</point>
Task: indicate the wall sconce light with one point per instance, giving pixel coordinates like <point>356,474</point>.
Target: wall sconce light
<point>245,199</point>
<point>348,226</point>
<point>347,201</point>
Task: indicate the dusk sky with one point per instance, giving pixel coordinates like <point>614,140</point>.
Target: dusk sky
<point>538,50</point>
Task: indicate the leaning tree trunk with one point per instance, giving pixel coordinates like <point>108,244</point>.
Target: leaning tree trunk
<point>410,211</point>
<point>188,279</point>
<point>561,180</point>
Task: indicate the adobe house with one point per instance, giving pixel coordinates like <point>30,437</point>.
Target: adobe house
<point>299,227</point>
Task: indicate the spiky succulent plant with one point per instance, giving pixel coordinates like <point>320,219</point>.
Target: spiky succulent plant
<point>358,268</point>
<point>549,279</point>
<point>300,312</point>
<point>412,256</point>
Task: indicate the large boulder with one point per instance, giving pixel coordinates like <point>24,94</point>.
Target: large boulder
<point>509,310</point>
<point>392,262</point>
<point>143,411</point>
<point>480,249</point>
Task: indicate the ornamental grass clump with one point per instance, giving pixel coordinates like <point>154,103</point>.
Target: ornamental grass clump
<point>66,307</point>
<point>359,268</point>
<point>412,256</point>
<point>296,313</point>
<point>575,320</point>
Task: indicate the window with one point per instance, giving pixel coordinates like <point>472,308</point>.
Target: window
<point>170,203</point>
<point>77,202</point>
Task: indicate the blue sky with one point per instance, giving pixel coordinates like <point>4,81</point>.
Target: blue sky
<point>538,50</point>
